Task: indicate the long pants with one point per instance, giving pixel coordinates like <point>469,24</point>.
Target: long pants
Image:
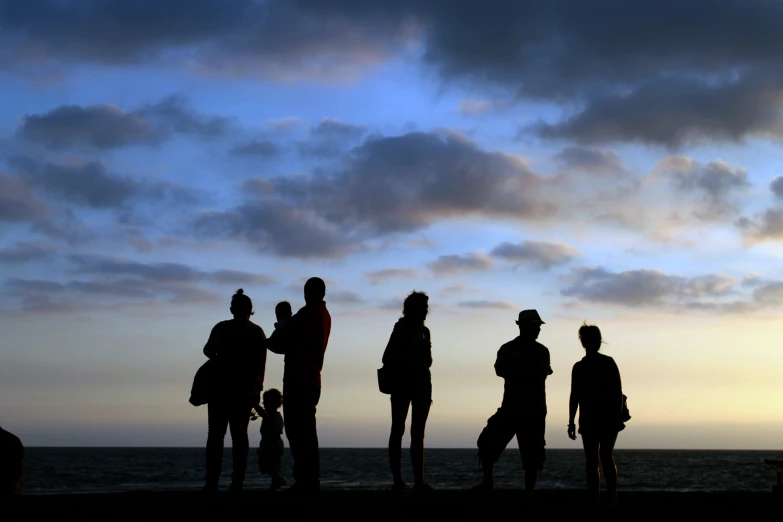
<point>299,405</point>
<point>221,416</point>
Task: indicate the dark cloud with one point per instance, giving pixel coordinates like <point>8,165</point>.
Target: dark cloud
<point>491,305</point>
<point>257,148</point>
<point>330,138</point>
<point>540,254</point>
<point>277,227</point>
<point>590,159</point>
<point>776,186</point>
<point>643,287</point>
<point>25,252</point>
<point>765,226</point>
<point>673,112</point>
<point>379,276</point>
<point>451,264</point>
<point>17,201</point>
<point>716,184</point>
<point>92,185</point>
<point>385,186</point>
<point>162,272</point>
<point>710,75</point>
<point>346,298</point>
<point>107,126</point>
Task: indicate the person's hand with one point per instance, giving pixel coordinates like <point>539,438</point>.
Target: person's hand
<point>572,432</point>
<point>260,411</point>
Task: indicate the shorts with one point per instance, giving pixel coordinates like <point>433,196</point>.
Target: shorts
<point>501,428</point>
<point>415,390</point>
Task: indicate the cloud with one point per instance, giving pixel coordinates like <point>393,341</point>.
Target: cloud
<point>346,298</point>
<point>26,252</point>
<point>590,159</point>
<point>538,254</point>
<point>474,107</point>
<point>776,186</point>
<point>646,288</point>
<point>490,305</point>
<point>107,126</point>
<point>383,187</point>
<point>258,148</point>
<point>110,282</point>
<point>379,276</point>
<point>90,184</point>
<point>17,201</point>
<point>713,74</point>
<point>716,184</point>
<point>452,264</point>
<point>330,138</point>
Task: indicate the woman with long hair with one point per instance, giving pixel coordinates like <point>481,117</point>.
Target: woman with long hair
<point>409,355</point>
<point>597,391</point>
<point>237,348</point>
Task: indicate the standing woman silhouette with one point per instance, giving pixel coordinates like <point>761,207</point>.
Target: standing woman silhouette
<point>597,391</point>
<point>409,356</point>
<point>237,348</point>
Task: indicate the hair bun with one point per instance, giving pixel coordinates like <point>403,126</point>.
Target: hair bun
<point>240,292</point>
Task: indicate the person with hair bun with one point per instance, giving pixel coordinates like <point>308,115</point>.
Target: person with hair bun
<point>237,348</point>
<point>597,392</point>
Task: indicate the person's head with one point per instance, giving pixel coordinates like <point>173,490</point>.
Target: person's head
<point>283,311</point>
<point>314,290</point>
<point>273,399</point>
<point>241,305</point>
<point>529,323</point>
<point>416,306</point>
<point>590,336</point>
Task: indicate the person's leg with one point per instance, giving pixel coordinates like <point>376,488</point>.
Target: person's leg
<point>240,446</point>
<point>399,412</point>
<point>606,453</point>
<point>311,434</point>
<point>421,410</point>
<point>591,445</point>
<point>217,418</point>
<point>292,417</point>
<point>532,448</point>
<point>491,443</point>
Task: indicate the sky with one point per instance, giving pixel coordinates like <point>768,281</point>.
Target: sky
<point>611,162</point>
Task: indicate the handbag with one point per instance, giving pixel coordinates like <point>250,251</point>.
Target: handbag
<point>386,379</point>
<point>199,392</point>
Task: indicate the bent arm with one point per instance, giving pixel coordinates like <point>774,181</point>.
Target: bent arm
<point>501,365</point>
<point>280,340</point>
<point>213,343</point>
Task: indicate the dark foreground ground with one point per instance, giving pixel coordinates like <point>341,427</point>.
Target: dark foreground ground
<point>372,506</point>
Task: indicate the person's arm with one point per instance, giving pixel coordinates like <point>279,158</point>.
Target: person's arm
<point>213,343</point>
<point>573,403</point>
<point>547,363</point>
<point>282,338</point>
<point>501,364</point>
<point>391,353</point>
<point>429,348</point>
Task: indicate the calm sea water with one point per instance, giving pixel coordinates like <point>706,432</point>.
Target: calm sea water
<point>85,470</point>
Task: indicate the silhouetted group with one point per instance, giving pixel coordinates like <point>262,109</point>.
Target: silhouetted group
<point>237,351</point>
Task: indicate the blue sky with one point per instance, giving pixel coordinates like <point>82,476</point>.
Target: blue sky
<point>616,164</point>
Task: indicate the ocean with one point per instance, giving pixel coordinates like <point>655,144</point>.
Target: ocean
<point>90,470</point>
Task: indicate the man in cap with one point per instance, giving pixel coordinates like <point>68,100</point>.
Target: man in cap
<point>524,364</point>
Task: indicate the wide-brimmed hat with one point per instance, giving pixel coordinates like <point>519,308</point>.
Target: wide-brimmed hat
<point>529,317</point>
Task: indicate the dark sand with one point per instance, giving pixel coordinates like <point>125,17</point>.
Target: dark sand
<point>383,506</point>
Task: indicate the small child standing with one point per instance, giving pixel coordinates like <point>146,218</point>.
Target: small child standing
<point>270,451</point>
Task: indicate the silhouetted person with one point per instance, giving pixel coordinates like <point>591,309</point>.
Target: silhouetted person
<point>409,355</point>
<point>283,312</point>
<point>11,463</point>
<point>237,349</point>
<point>524,364</point>
<point>597,391</point>
<point>270,449</point>
<point>303,340</point>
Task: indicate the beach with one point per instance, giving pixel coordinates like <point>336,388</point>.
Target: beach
<point>382,505</point>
